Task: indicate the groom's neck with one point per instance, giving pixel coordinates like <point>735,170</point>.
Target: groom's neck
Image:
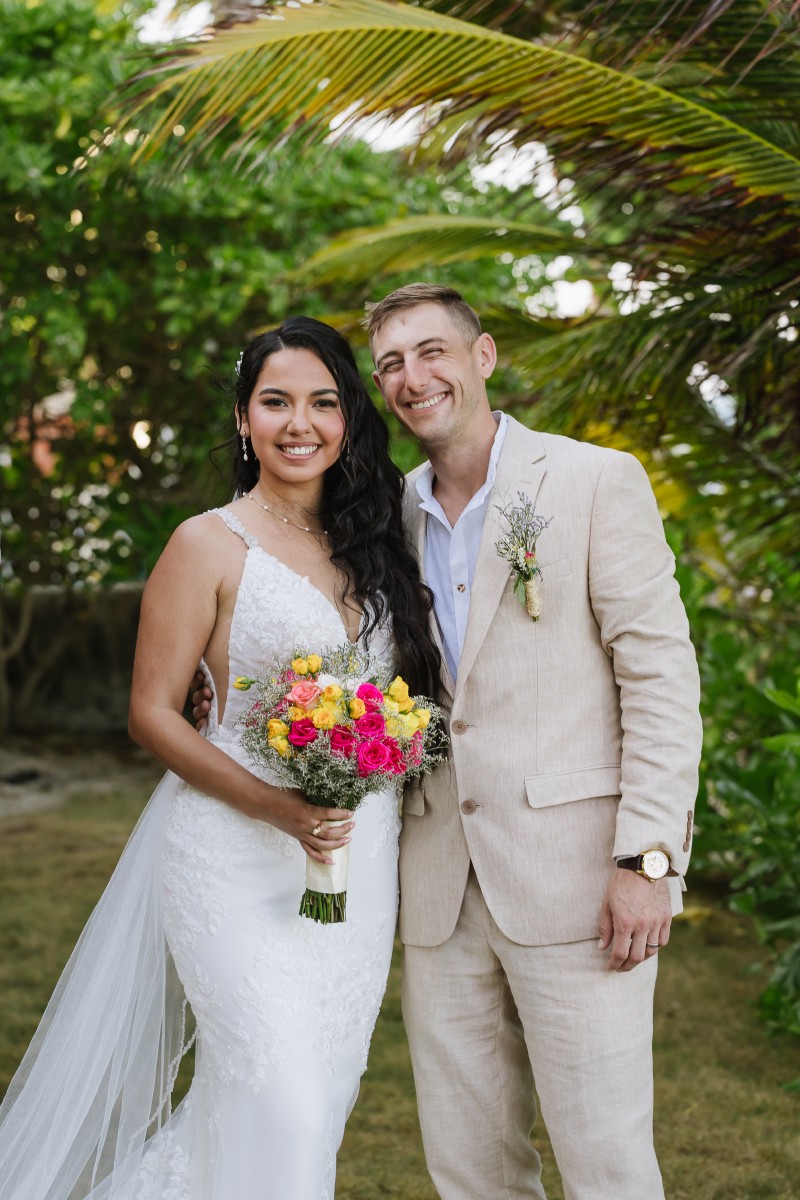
<point>460,466</point>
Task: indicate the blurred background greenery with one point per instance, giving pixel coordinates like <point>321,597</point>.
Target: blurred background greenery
<point>616,189</point>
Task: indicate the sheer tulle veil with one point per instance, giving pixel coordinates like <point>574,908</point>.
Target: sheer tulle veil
<point>97,1077</point>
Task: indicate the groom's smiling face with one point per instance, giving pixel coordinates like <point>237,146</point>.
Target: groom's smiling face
<point>431,377</point>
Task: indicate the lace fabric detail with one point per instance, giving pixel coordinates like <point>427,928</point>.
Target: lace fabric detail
<point>235,526</point>
<point>164,1170</point>
<point>329,979</point>
<point>387,834</point>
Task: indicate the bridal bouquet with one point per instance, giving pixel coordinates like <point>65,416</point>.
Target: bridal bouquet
<point>337,727</point>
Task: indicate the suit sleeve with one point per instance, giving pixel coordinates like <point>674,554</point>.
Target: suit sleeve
<point>643,626</point>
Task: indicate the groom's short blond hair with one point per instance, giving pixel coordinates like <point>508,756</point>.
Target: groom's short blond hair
<point>404,298</point>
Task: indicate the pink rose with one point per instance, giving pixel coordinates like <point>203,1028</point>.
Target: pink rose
<point>343,741</point>
<point>303,732</point>
<point>415,749</point>
<point>397,763</point>
<point>371,757</point>
<point>372,696</point>
<point>304,693</point>
<point>371,725</point>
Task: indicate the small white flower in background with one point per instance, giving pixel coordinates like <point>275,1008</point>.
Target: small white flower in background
<point>518,547</point>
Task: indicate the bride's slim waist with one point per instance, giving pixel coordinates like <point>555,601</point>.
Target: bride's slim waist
<point>229,742</point>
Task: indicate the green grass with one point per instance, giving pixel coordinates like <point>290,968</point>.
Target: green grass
<point>725,1127</point>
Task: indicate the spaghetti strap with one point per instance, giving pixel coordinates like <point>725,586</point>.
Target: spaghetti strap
<point>235,526</point>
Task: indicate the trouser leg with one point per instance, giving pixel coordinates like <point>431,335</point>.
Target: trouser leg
<point>589,1036</point>
<point>471,1068</point>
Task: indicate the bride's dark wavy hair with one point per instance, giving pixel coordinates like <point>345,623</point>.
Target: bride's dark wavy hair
<point>362,499</point>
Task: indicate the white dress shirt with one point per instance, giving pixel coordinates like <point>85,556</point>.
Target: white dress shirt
<point>452,552</point>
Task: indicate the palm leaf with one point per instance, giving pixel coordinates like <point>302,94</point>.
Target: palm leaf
<point>299,69</point>
<point>433,240</point>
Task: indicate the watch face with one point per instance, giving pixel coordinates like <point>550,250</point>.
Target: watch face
<point>655,864</point>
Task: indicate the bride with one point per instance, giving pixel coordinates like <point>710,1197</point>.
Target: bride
<point>200,919</point>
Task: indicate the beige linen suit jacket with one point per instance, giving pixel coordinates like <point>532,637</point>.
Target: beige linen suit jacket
<point>574,739</point>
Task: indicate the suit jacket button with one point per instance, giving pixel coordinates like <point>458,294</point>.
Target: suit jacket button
<point>468,806</point>
<point>459,727</point>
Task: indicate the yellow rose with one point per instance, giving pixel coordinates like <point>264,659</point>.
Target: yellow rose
<point>281,744</point>
<point>409,724</point>
<point>357,708</point>
<point>295,713</point>
<point>323,718</point>
<point>243,684</point>
<point>423,715</point>
<point>300,666</point>
<point>391,706</point>
<point>314,663</point>
<point>276,728</point>
<point>331,692</point>
<point>393,727</point>
<point>398,691</point>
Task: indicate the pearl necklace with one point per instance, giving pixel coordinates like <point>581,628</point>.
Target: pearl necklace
<point>286,521</point>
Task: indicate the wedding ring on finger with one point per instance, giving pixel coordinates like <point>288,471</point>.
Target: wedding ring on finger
<point>653,945</point>
<point>317,830</point>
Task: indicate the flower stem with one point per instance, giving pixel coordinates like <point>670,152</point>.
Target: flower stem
<point>329,908</point>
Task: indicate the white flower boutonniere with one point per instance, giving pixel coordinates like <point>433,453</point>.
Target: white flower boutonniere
<point>518,547</point>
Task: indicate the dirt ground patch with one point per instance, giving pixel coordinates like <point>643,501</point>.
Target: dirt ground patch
<point>37,774</point>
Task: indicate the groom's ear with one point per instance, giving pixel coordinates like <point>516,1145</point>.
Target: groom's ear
<point>486,352</point>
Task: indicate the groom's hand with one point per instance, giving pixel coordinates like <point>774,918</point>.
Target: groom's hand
<point>201,700</point>
<point>635,912</point>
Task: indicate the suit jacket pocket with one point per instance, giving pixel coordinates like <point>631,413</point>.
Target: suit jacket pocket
<point>414,798</point>
<point>556,569</point>
<point>565,786</point>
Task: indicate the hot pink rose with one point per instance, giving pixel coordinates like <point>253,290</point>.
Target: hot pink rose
<point>397,763</point>
<point>371,757</point>
<point>343,741</point>
<point>304,693</point>
<point>371,725</point>
<point>372,696</point>
<point>415,749</point>
<point>302,732</point>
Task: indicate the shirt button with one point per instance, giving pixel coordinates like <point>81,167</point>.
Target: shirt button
<point>462,587</point>
<point>468,806</point>
<point>459,727</point>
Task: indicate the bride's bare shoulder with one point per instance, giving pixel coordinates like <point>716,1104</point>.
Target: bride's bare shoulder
<point>201,545</point>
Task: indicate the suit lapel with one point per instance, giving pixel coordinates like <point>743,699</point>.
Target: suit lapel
<point>521,469</point>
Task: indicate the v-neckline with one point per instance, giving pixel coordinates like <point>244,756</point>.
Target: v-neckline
<point>256,545</point>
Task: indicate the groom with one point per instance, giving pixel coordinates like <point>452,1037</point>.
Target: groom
<point>541,867</point>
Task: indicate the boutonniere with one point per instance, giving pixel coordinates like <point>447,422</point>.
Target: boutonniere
<point>518,547</point>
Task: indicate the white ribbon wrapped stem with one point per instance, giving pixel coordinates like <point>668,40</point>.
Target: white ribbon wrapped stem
<point>329,877</point>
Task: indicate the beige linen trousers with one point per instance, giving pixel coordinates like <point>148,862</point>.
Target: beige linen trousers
<point>574,739</point>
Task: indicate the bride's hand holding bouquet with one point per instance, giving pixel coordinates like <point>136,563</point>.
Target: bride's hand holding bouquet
<point>338,728</point>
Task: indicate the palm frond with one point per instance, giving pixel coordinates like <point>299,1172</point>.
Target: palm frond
<point>433,240</point>
<point>299,69</point>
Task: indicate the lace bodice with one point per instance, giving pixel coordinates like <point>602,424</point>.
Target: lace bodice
<point>277,611</point>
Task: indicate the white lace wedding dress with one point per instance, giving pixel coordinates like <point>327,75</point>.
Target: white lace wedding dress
<point>284,1007</point>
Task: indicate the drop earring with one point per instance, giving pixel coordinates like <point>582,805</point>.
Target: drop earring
<point>245,455</point>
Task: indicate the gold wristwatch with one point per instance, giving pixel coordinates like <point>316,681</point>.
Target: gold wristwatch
<point>653,864</point>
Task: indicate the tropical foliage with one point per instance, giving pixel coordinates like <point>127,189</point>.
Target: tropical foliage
<point>124,299</point>
<point>675,129</point>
